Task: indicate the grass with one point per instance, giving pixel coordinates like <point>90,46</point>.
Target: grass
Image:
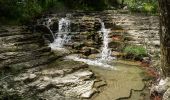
<point>134,51</point>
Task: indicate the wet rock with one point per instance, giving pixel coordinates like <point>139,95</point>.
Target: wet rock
<point>116,45</point>
<point>86,51</point>
<point>88,94</point>
<point>90,43</point>
<point>94,51</point>
<point>77,45</point>
<point>100,84</point>
<point>75,26</point>
<point>94,56</point>
<point>117,54</point>
<point>89,50</point>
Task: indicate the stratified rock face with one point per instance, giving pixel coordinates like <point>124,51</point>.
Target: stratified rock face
<point>85,34</point>
<point>139,29</point>
<point>20,48</point>
<point>36,77</point>
<point>61,80</point>
<point>126,29</point>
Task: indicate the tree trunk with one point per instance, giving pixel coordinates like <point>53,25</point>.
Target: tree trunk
<point>165,36</point>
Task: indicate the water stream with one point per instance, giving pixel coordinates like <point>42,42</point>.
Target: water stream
<point>105,51</point>
<point>61,37</point>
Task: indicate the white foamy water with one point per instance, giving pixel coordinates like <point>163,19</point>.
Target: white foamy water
<point>104,55</point>
<point>61,37</point>
<point>106,52</point>
<point>90,62</point>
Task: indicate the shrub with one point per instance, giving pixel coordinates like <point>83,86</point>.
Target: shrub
<point>150,6</point>
<point>24,10</point>
<point>135,51</point>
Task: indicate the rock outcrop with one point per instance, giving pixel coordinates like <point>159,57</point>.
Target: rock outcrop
<point>37,72</point>
<point>20,48</point>
<point>61,80</point>
<point>126,29</point>
<point>139,29</point>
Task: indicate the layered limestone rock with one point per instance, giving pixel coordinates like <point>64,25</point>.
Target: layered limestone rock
<point>33,75</point>
<point>20,48</point>
<point>66,80</point>
<point>126,29</point>
<point>138,29</point>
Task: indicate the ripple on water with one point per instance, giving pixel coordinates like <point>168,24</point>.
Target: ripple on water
<point>119,82</point>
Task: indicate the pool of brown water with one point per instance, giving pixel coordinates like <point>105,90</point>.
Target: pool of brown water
<point>125,83</point>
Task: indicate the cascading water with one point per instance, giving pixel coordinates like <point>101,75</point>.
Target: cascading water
<point>61,37</point>
<point>105,51</point>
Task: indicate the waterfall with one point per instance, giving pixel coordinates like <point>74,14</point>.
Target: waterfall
<point>105,51</point>
<point>61,37</point>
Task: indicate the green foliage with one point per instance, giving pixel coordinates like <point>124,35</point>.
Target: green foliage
<point>23,10</point>
<point>150,6</point>
<point>136,51</point>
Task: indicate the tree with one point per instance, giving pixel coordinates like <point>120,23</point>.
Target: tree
<point>165,36</point>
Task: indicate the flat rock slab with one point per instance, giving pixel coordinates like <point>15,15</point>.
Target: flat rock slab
<point>62,80</point>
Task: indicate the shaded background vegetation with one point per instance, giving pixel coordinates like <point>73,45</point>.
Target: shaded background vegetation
<point>23,10</point>
<point>150,6</point>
